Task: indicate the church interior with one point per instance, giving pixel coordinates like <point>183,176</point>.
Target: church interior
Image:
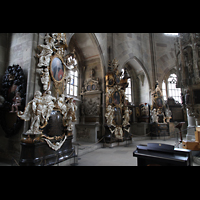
<point>89,99</point>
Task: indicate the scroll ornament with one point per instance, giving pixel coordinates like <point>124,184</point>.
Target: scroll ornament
<point>57,145</point>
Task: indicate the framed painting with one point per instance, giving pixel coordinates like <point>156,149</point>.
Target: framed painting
<point>159,103</point>
<point>116,98</point>
<point>117,116</point>
<point>57,69</point>
<point>88,87</point>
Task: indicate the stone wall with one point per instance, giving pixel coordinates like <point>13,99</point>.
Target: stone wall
<point>129,45</point>
<point>4,53</point>
<point>165,55</point>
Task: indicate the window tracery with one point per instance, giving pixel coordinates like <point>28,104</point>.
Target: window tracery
<point>172,90</point>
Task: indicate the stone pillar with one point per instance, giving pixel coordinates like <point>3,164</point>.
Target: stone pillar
<point>182,62</point>
<point>191,125</point>
<point>195,57</point>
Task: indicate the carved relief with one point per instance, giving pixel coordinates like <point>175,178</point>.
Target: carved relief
<point>92,83</point>
<point>91,106</point>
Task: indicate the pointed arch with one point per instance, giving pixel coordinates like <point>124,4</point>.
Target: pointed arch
<point>141,84</point>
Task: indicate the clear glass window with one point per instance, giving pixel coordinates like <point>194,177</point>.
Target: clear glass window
<point>172,90</point>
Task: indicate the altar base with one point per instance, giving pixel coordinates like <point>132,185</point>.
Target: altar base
<point>39,153</point>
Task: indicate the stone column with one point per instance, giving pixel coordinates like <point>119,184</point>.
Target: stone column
<point>191,125</point>
<point>182,62</point>
<point>195,56</point>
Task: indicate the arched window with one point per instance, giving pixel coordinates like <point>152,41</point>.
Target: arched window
<point>164,90</point>
<point>172,90</point>
<point>72,87</point>
<point>128,89</point>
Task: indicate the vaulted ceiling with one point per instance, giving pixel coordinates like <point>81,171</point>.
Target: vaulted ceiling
<point>86,45</point>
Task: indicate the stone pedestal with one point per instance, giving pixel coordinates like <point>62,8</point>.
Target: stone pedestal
<point>139,129</point>
<point>87,132</point>
<point>38,149</point>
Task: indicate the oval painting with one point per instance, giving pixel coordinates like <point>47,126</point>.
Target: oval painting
<point>57,69</point>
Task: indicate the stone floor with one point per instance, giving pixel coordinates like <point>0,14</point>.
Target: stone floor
<point>120,154</point>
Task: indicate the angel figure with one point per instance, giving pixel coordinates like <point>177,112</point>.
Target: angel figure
<point>126,117</point>
<point>45,55</point>
<point>109,115</point>
<point>33,112</point>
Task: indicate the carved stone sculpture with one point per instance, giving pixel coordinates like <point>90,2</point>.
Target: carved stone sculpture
<point>126,117</point>
<point>92,83</point>
<point>117,115</point>
<point>72,109</point>
<point>50,115</point>
<point>45,79</point>
<point>46,51</point>
<point>16,102</point>
<point>118,132</point>
<point>48,104</point>
<point>38,111</point>
<point>62,105</point>
<point>168,114</point>
<point>91,106</point>
<point>157,105</point>
<point>109,115</point>
<point>154,115</point>
<point>68,109</point>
